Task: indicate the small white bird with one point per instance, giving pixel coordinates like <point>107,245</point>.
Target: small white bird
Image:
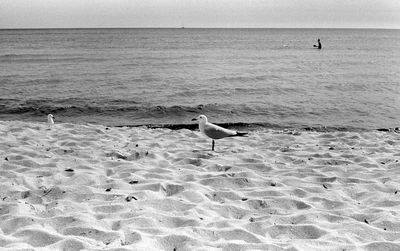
<point>215,132</point>
<point>50,118</point>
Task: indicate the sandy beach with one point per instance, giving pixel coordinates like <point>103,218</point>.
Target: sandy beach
<point>91,187</point>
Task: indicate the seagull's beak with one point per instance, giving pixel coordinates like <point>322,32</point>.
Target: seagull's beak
<point>194,119</point>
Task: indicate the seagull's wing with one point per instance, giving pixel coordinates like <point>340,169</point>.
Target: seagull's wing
<point>217,132</point>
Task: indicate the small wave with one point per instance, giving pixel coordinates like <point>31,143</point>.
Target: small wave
<point>54,58</point>
<point>12,55</point>
<point>41,59</point>
<point>117,112</point>
<point>242,79</point>
<point>72,106</point>
<point>8,55</point>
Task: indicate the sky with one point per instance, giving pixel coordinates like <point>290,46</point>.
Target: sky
<point>200,13</point>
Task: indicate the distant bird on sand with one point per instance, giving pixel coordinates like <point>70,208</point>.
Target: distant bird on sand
<point>50,118</point>
<point>215,132</point>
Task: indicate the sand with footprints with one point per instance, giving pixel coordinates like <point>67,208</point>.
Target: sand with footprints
<point>73,187</point>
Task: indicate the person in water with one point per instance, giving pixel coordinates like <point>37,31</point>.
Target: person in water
<point>319,46</point>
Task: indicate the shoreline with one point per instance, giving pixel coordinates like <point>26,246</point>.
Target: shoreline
<point>75,186</point>
<point>253,126</point>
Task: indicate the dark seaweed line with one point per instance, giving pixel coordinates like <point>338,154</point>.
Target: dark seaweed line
<point>255,126</point>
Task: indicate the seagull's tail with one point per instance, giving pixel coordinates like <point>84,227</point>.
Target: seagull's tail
<point>240,134</point>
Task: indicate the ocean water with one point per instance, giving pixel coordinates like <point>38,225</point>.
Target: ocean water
<point>265,77</point>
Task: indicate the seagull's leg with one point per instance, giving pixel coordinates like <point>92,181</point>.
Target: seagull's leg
<point>213,143</point>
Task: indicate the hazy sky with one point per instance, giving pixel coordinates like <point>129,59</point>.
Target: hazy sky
<point>199,13</point>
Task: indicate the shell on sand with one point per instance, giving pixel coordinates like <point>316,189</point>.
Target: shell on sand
<point>90,187</point>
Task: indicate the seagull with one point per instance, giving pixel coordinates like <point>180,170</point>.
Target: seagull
<point>50,118</point>
<point>215,132</point>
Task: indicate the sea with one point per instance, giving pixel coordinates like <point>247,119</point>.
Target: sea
<point>271,78</point>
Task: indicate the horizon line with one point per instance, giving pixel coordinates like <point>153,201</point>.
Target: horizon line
<point>182,27</point>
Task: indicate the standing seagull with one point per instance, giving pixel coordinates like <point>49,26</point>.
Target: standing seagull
<point>50,120</point>
<point>215,132</point>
